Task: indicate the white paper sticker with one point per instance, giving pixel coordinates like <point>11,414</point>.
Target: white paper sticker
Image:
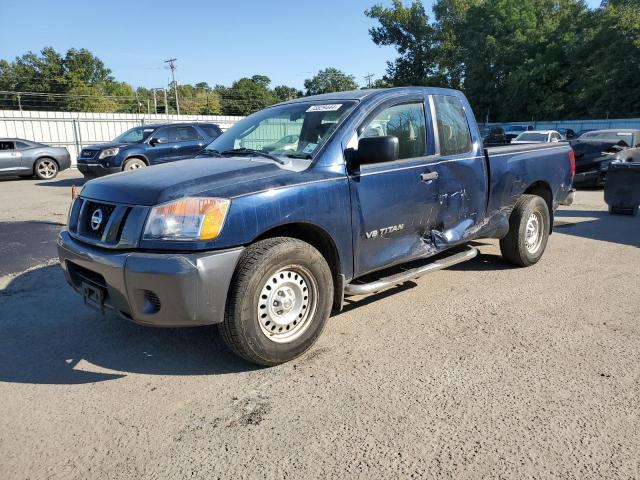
<point>332,107</point>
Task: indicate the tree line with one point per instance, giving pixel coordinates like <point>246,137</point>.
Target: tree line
<point>519,59</point>
<point>514,59</point>
<point>79,81</point>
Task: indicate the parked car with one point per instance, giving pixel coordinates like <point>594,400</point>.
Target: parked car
<point>147,145</point>
<point>567,133</point>
<point>595,150</point>
<point>512,131</point>
<point>538,136</point>
<point>579,133</point>
<point>286,143</point>
<point>265,245</point>
<point>25,158</point>
<point>496,137</point>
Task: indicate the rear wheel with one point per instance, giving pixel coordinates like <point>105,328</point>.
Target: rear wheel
<point>45,169</point>
<point>134,164</point>
<point>279,301</point>
<point>529,227</point>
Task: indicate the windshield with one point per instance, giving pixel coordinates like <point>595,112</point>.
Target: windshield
<point>295,130</point>
<point>134,135</point>
<point>532,137</point>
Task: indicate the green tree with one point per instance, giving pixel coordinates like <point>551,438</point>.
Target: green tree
<point>330,80</point>
<point>283,93</point>
<point>409,31</point>
<point>246,95</point>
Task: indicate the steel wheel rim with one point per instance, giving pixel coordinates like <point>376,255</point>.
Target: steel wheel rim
<point>287,303</point>
<point>533,232</point>
<point>47,169</point>
<point>134,166</point>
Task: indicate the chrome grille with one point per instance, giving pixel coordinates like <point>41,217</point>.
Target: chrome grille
<point>102,223</point>
<point>85,153</point>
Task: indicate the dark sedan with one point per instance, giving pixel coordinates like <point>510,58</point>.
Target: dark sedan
<point>25,158</point>
<point>595,150</point>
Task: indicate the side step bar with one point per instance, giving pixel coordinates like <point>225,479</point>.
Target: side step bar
<point>388,282</point>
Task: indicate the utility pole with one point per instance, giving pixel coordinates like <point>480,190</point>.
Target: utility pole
<point>155,102</point>
<point>166,103</point>
<point>368,78</point>
<point>172,66</point>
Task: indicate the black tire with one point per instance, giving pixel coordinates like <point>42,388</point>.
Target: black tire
<point>516,247</point>
<point>248,303</point>
<point>133,164</point>
<point>45,168</point>
<point>633,211</point>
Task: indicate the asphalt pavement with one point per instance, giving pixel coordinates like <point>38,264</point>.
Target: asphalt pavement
<point>477,371</point>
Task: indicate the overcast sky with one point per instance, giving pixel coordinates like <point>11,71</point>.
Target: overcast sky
<point>214,41</point>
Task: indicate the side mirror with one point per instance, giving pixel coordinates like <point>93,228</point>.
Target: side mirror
<point>376,150</point>
<point>156,140</point>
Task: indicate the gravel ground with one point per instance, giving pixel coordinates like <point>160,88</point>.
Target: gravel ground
<point>481,370</point>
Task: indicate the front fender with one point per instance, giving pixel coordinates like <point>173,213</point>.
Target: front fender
<point>323,204</point>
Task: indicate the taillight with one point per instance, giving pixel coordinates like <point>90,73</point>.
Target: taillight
<point>572,161</point>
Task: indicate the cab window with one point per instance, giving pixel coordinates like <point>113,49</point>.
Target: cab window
<point>406,122</point>
<point>453,129</point>
<point>183,133</point>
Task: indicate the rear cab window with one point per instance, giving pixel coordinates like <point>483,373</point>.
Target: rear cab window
<point>454,135</point>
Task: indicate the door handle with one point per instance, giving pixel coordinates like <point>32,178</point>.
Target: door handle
<point>428,176</point>
<point>175,147</point>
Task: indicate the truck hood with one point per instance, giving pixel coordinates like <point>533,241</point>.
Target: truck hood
<point>163,183</point>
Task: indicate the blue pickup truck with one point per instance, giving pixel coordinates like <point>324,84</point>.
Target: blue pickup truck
<point>267,243</point>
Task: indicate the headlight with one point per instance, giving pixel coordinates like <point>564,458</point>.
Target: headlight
<point>109,152</point>
<point>187,219</point>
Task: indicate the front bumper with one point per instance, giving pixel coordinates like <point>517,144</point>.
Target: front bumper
<point>160,289</point>
<point>96,169</point>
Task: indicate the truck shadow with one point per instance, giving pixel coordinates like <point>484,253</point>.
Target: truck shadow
<point>47,336</point>
<point>601,226</point>
<point>64,182</point>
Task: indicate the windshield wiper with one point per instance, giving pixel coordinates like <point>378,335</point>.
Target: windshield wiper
<point>251,151</point>
<point>204,151</point>
<point>304,156</point>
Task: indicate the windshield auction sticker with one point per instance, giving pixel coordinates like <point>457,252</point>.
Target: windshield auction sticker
<point>332,107</point>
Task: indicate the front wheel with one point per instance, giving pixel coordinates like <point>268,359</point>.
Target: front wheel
<point>134,164</point>
<point>529,227</point>
<point>279,301</point>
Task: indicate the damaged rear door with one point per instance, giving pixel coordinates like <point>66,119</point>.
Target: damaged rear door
<point>394,204</point>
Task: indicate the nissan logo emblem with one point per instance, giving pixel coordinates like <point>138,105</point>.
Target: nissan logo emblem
<point>96,219</point>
